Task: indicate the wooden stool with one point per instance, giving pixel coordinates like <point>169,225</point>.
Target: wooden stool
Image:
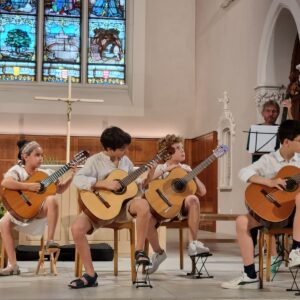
<point>267,234</point>
<point>53,253</point>
<point>3,257</point>
<point>116,227</point>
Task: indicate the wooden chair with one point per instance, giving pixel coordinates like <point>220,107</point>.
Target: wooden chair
<point>116,227</point>
<point>181,224</point>
<point>266,235</point>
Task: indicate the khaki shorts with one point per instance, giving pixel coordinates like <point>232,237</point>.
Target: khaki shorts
<point>123,217</point>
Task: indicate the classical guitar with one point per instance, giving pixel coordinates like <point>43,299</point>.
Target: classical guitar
<point>106,204</point>
<point>270,206</point>
<point>26,205</point>
<point>166,196</point>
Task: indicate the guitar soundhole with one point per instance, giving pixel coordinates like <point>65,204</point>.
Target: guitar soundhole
<point>291,185</point>
<point>178,185</point>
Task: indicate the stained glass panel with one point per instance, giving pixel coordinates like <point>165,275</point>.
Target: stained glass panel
<point>106,51</point>
<point>62,40</point>
<point>17,47</point>
<point>107,9</point>
<point>18,6</point>
<point>63,8</point>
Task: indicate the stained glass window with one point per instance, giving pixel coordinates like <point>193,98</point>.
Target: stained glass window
<point>62,40</point>
<point>60,49</point>
<point>18,40</point>
<point>106,42</point>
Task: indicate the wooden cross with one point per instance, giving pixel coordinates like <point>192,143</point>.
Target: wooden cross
<point>69,100</point>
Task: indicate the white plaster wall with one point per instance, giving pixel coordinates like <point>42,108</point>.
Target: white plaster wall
<point>169,95</point>
<point>227,54</point>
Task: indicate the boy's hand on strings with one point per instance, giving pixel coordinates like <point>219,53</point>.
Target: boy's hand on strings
<point>33,187</point>
<point>278,183</point>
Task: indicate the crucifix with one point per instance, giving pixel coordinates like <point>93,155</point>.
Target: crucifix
<point>69,100</point>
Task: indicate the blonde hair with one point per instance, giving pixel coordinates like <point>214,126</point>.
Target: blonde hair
<point>169,140</point>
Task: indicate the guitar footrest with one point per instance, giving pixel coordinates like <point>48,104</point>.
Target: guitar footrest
<point>199,270</point>
<point>142,282</point>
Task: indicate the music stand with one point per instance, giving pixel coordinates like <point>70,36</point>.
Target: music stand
<point>262,139</point>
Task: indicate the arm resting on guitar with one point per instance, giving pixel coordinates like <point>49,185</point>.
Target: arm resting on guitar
<point>12,184</point>
<point>270,182</point>
<point>107,185</point>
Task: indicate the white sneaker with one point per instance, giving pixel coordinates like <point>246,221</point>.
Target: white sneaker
<point>294,258</point>
<point>196,247</point>
<point>156,260</point>
<point>242,282</point>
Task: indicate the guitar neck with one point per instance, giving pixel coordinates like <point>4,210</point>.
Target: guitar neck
<point>53,178</point>
<point>133,176</point>
<point>191,175</point>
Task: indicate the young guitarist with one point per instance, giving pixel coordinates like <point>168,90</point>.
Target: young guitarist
<point>191,204</point>
<point>93,177</point>
<point>30,158</point>
<point>262,172</point>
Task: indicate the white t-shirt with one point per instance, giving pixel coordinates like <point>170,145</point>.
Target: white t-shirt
<point>36,226</point>
<point>162,169</point>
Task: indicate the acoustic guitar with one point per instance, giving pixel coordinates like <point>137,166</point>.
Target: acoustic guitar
<point>270,206</point>
<point>26,205</point>
<point>106,204</point>
<point>166,195</point>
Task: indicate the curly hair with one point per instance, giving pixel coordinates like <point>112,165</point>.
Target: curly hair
<point>169,140</point>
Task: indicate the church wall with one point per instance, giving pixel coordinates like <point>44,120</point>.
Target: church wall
<point>168,78</point>
<point>227,54</point>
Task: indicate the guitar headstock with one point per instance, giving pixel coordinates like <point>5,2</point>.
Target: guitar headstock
<point>163,154</point>
<point>221,150</point>
<point>80,157</point>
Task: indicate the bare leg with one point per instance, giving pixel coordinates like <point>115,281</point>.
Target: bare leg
<point>192,206</point>
<point>6,228</point>
<point>152,235</point>
<point>79,228</point>
<point>243,226</point>
<point>141,209</point>
<point>50,210</point>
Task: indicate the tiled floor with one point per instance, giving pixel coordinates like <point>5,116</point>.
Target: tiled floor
<point>168,283</point>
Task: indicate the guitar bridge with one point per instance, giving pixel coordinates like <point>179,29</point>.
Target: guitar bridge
<point>270,198</point>
<point>163,197</point>
<point>26,200</point>
<point>106,204</point>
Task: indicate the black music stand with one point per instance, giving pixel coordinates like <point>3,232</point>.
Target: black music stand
<point>262,139</point>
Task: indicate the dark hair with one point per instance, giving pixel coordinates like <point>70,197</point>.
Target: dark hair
<point>114,138</point>
<point>288,129</point>
<point>21,144</point>
<point>271,103</point>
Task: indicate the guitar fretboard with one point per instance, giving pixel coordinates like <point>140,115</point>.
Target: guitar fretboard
<point>199,168</point>
<point>53,178</point>
<point>133,175</point>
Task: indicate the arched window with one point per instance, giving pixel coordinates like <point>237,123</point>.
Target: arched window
<point>18,23</point>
